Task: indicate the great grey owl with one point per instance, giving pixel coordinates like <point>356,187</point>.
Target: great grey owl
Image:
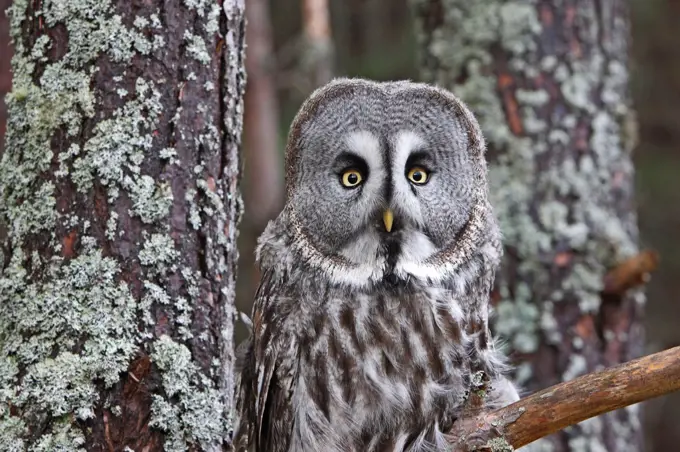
<point>371,318</point>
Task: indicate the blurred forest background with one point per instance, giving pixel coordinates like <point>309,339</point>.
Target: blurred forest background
<point>295,45</point>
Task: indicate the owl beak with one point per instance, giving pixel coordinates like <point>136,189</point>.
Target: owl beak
<point>388,219</point>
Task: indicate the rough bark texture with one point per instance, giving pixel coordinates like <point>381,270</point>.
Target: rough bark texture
<point>5,77</point>
<point>119,186</point>
<point>548,81</point>
<point>5,87</point>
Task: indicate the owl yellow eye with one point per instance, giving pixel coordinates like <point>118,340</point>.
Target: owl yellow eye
<point>351,178</point>
<point>418,175</point>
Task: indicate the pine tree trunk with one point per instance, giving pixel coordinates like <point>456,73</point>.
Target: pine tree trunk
<point>263,166</point>
<point>317,60</point>
<point>548,81</point>
<point>5,76</point>
<point>119,188</point>
<point>264,186</point>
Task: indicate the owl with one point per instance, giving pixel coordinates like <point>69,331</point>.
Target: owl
<point>370,323</point>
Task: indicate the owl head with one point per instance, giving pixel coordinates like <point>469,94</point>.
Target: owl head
<point>386,181</point>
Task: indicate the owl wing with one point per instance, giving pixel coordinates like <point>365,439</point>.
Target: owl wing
<point>267,378</point>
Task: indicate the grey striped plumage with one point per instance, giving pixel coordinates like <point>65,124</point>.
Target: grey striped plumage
<point>366,339</point>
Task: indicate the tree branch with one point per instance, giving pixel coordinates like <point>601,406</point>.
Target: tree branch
<point>569,403</point>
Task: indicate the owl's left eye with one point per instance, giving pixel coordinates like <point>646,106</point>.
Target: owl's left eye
<point>418,175</point>
<point>351,178</point>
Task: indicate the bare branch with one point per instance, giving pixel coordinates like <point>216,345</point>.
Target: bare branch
<point>569,403</point>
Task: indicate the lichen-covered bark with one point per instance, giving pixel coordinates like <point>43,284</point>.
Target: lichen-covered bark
<point>548,81</point>
<point>119,189</point>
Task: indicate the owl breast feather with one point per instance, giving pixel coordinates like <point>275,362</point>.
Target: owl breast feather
<point>387,365</point>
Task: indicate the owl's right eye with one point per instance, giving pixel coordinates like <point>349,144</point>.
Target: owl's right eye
<point>351,178</point>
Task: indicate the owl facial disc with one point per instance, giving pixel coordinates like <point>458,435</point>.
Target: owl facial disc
<point>385,180</point>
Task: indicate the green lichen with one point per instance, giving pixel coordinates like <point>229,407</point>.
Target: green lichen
<point>80,305</point>
<point>213,206</point>
<point>194,210</point>
<point>61,100</point>
<point>153,295</point>
<point>151,201</point>
<point>61,439</point>
<point>183,318</point>
<point>168,154</point>
<point>116,150</point>
<point>158,253</point>
<point>93,28</point>
<point>187,413</point>
<point>197,48</point>
<point>519,320</point>
<point>112,226</point>
<point>206,9</point>
<point>499,445</point>
<point>11,432</point>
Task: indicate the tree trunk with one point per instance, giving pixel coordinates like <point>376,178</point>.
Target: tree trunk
<point>264,189</point>
<point>119,187</point>
<point>319,53</point>
<point>548,81</point>
<point>5,87</point>
<point>5,75</point>
<point>263,168</point>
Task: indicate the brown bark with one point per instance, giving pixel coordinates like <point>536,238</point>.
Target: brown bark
<point>119,183</point>
<point>548,81</point>
<point>565,404</point>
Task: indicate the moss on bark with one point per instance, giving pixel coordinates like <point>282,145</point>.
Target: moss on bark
<point>119,187</point>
